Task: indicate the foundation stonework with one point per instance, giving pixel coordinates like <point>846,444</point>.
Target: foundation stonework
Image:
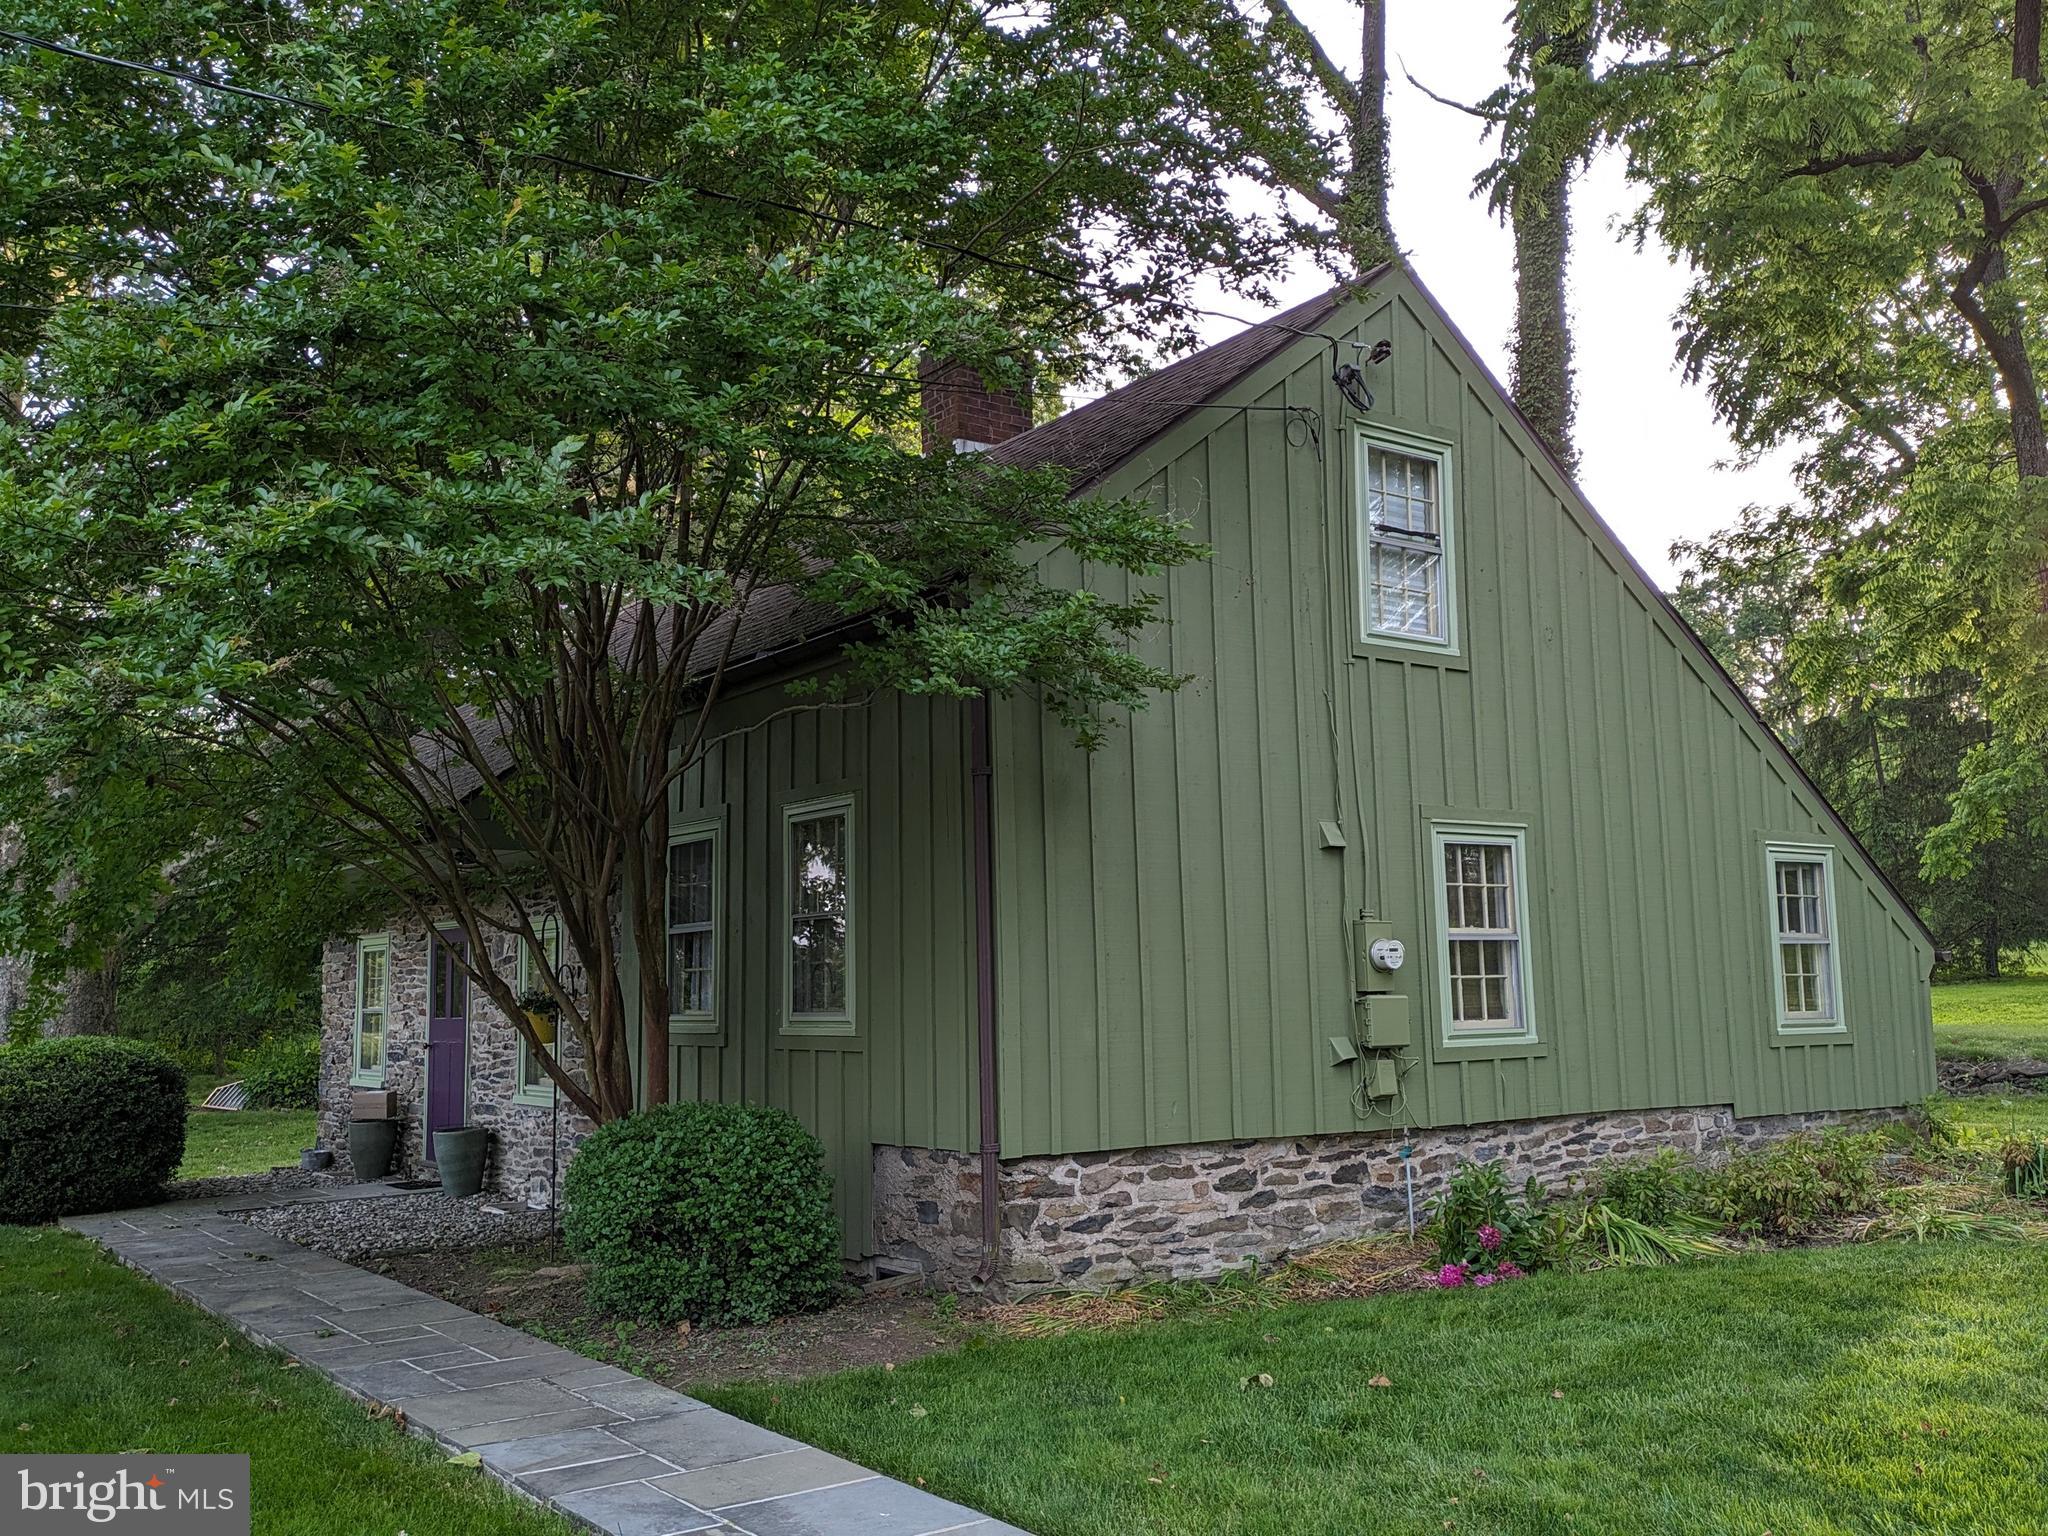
<point>1101,1219</point>
<point>529,1145</point>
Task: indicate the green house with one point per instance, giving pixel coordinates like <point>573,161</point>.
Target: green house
<point>1458,843</point>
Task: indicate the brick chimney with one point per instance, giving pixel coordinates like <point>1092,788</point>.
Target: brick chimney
<point>962,413</point>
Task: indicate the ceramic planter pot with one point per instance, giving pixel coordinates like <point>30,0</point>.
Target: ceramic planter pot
<point>543,1027</point>
<point>460,1157</point>
<point>370,1144</point>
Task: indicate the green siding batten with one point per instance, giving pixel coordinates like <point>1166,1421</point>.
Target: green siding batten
<point>1172,935</point>
<point>906,1075</point>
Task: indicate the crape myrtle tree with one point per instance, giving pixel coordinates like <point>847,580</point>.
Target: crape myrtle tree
<point>1860,189</point>
<point>407,407</point>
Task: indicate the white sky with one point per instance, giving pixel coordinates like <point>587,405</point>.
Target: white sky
<point>1648,444</point>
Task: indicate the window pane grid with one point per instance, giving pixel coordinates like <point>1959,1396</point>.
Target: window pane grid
<point>818,910</point>
<point>373,982</point>
<point>1805,944</point>
<point>1405,554</point>
<point>692,935</point>
<point>1485,948</point>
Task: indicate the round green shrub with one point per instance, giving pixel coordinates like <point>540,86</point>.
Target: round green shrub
<point>714,1213</point>
<point>87,1124</point>
<point>284,1073</point>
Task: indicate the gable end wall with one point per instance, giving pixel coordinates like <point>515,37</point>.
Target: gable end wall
<point>1173,935</point>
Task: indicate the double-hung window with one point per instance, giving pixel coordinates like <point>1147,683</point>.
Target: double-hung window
<point>373,1006</point>
<point>817,841</point>
<point>1405,588</point>
<point>1807,970</point>
<point>532,1082</point>
<point>693,876</point>
<point>1483,926</point>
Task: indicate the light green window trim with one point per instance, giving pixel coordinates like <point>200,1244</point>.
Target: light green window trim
<point>1806,961</point>
<point>370,1035</point>
<point>818,916</point>
<point>1479,884</point>
<point>1407,566</point>
<point>695,901</point>
<point>531,1084</point>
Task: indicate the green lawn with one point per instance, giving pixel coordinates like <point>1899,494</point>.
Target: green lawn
<point>1999,1116</point>
<point>1891,1388</point>
<point>95,1358</point>
<point>1991,1020</point>
<point>218,1143</point>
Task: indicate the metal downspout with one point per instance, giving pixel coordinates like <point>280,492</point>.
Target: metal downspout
<point>983,774</point>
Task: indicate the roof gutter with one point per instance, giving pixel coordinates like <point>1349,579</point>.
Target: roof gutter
<point>983,778</point>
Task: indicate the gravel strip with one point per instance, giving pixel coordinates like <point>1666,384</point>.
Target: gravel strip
<point>416,1223</point>
<point>278,1181</point>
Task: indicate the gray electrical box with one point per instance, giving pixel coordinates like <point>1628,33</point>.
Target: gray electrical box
<point>1383,1023</point>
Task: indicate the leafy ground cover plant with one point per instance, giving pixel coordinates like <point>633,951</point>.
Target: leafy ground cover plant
<point>1486,1230</point>
<point>1790,1187</point>
<point>1650,1190</point>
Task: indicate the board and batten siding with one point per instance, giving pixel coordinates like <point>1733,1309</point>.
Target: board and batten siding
<point>1173,941</point>
<point>906,1075</point>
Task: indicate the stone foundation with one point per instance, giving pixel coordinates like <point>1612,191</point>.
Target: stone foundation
<point>1102,1219</point>
<point>527,1138</point>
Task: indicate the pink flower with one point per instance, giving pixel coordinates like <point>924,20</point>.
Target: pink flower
<point>1451,1276</point>
<point>1489,1238</point>
<point>1482,1279</point>
<point>1510,1270</point>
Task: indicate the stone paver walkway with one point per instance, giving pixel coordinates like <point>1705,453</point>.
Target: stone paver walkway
<point>614,1451</point>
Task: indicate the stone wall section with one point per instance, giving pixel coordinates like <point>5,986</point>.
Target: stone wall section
<point>928,1210</point>
<point>1097,1220</point>
<point>530,1142</point>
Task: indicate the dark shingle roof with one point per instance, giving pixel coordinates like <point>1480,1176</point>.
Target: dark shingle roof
<point>1095,438</point>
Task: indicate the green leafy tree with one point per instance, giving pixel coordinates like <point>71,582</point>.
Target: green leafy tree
<point>1889,758</point>
<point>1861,191</point>
<point>416,409</point>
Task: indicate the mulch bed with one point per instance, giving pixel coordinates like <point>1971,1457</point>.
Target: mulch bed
<point>539,1287</point>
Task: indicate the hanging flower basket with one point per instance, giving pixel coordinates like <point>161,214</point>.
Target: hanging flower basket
<point>543,1026</point>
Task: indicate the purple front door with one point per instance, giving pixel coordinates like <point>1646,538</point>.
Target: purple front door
<point>447,1038</point>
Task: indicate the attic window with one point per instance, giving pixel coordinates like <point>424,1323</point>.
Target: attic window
<point>1405,594</point>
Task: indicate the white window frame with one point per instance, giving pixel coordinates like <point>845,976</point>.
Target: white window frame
<point>697,1020</point>
<point>1514,838</point>
<point>1834,1019</point>
<point>1439,453</point>
<point>360,1076</point>
<point>840,1022</point>
<point>531,1085</point>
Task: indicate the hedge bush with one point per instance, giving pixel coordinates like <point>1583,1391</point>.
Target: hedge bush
<point>714,1213</point>
<point>87,1124</point>
<point>284,1073</point>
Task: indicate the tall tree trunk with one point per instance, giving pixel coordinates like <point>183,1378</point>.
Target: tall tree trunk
<point>1364,226</point>
<point>1539,210</point>
<point>89,998</point>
